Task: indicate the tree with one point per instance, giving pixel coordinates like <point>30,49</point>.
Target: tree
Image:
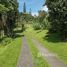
<point>24,8</point>
<point>42,18</point>
<point>30,11</point>
<point>8,12</point>
<point>58,16</point>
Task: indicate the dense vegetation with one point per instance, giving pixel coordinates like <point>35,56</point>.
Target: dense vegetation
<point>49,28</point>
<point>9,48</point>
<point>8,15</point>
<point>58,17</point>
<point>54,20</point>
<point>40,22</point>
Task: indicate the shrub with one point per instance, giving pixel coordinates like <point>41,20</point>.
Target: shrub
<point>36,26</point>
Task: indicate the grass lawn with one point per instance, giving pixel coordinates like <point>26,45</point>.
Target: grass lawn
<point>38,61</point>
<point>52,43</point>
<point>9,52</point>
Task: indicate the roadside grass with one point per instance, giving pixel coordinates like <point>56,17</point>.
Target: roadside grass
<point>37,60</point>
<point>52,42</point>
<point>9,52</point>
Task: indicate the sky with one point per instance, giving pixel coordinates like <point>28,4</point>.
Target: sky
<point>35,6</point>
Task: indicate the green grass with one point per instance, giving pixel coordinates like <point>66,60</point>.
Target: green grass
<point>9,52</point>
<point>38,61</point>
<point>52,43</point>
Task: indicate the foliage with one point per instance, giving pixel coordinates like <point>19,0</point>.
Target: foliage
<point>58,16</point>
<point>8,15</point>
<point>25,18</point>
<point>3,8</point>
<point>36,26</point>
<point>41,18</point>
<point>40,21</point>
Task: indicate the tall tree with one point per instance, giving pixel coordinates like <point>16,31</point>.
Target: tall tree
<point>41,18</point>
<point>24,8</point>
<point>58,16</point>
<point>30,11</point>
<point>8,12</point>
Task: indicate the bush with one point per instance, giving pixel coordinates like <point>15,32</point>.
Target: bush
<point>37,26</point>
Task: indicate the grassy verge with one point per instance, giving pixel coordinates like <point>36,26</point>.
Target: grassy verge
<point>52,43</point>
<point>9,52</point>
<point>38,61</point>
